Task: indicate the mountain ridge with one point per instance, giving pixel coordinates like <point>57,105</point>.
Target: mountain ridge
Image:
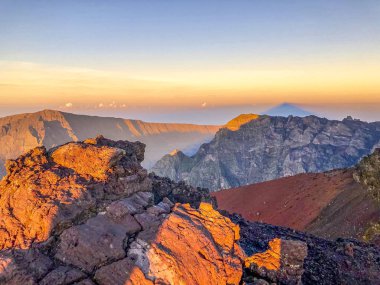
<point>19,133</point>
<point>268,147</point>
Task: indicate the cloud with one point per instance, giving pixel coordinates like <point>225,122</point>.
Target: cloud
<point>68,105</point>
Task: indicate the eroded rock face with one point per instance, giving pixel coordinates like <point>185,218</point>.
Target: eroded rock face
<point>203,238</point>
<point>179,192</point>
<point>367,172</point>
<point>281,263</point>
<point>88,212</point>
<point>267,148</point>
<point>187,246</point>
<point>46,191</point>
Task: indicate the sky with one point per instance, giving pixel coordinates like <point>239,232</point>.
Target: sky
<point>194,61</point>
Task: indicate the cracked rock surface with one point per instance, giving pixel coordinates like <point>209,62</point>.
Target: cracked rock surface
<point>88,213</point>
<point>65,220</point>
<point>265,148</point>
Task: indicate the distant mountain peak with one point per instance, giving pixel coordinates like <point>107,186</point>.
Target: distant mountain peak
<point>242,119</point>
<point>174,152</point>
<point>287,109</point>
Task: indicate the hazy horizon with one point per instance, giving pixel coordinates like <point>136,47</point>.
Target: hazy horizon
<point>189,62</point>
<point>209,116</point>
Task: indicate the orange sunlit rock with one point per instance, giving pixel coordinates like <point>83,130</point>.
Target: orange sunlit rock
<point>87,159</point>
<point>191,247</point>
<point>237,122</point>
<point>270,259</point>
<point>46,191</point>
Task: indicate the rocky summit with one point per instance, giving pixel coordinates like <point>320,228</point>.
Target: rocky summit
<point>253,149</point>
<point>87,213</point>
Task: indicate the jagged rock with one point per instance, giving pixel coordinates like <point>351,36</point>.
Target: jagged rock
<point>367,172</point>
<point>281,263</point>
<point>23,267</point>
<point>131,205</point>
<point>267,148</point>
<point>102,238</point>
<point>189,247</point>
<point>44,192</point>
<point>326,261</point>
<point>87,159</point>
<point>179,192</point>
<point>96,242</point>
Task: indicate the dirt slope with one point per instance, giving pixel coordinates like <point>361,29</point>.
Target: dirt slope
<point>328,204</point>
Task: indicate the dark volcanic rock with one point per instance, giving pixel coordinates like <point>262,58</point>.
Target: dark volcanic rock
<point>267,148</point>
<point>63,275</point>
<point>179,192</point>
<point>282,263</point>
<point>327,262</point>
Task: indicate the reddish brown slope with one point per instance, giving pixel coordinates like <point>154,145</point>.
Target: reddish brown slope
<point>318,203</point>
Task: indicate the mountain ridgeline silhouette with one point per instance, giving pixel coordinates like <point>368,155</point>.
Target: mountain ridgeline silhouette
<point>20,133</point>
<point>266,148</point>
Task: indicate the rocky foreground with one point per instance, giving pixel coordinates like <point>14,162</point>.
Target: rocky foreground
<point>88,213</point>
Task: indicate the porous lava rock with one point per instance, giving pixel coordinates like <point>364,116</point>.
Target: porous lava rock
<point>49,191</point>
<point>88,213</point>
<point>281,263</point>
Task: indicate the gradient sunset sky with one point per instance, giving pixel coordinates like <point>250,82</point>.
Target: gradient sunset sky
<point>160,60</point>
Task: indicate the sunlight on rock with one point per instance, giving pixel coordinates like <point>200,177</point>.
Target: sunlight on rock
<point>269,259</point>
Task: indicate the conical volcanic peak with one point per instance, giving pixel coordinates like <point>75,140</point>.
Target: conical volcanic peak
<point>287,109</point>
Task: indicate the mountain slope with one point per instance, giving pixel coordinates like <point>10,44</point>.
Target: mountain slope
<point>329,205</point>
<point>267,148</point>
<point>19,133</point>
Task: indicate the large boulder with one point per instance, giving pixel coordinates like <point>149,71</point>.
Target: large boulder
<point>49,191</point>
<point>188,246</point>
